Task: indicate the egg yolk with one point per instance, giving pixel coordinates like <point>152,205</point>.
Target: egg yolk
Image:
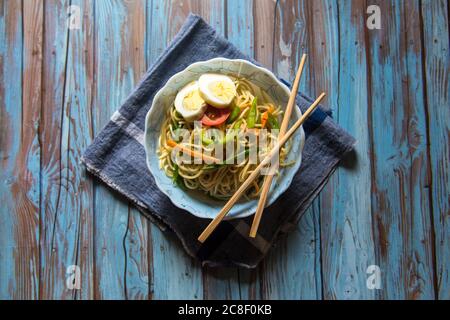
<point>222,90</point>
<point>193,101</point>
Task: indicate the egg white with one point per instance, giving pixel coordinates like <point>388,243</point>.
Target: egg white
<point>208,79</point>
<point>186,113</point>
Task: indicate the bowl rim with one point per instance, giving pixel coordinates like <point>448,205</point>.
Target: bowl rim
<point>296,166</point>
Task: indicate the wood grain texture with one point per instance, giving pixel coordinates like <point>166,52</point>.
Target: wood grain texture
<point>53,169</point>
<point>118,36</point>
<point>67,214</point>
<point>138,255</point>
<point>110,213</point>
<point>26,190</point>
<point>400,198</point>
<point>11,46</point>
<point>346,218</point>
<point>79,94</point>
<point>20,150</point>
<point>292,269</point>
<point>264,26</point>
<point>434,15</point>
<point>388,204</point>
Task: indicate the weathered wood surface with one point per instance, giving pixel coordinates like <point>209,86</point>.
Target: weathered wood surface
<point>387,205</point>
<point>400,197</point>
<point>436,64</point>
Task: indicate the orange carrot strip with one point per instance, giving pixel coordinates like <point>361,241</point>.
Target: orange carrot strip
<point>193,153</point>
<point>264,118</point>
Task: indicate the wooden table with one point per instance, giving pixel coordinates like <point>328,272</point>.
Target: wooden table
<point>388,206</point>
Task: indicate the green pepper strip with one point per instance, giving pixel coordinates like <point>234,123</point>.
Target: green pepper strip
<point>251,117</point>
<point>234,114</point>
<point>207,141</point>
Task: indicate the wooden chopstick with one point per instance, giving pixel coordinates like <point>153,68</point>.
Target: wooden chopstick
<point>215,222</point>
<point>284,124</point>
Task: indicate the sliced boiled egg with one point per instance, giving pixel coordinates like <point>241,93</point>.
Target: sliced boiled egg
<point>189,103</point>
<point>217,90</point>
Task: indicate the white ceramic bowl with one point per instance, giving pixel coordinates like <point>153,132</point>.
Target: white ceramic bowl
<point>196,202</point>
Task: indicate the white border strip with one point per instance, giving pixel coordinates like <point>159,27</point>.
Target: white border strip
<point>129,127</point>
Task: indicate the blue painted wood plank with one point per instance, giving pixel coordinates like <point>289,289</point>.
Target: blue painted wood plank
<point>137,257</point>
<point>53,169</point>
<point>240,25</point>
<point>116,76</point>
<point>110,213</point>
<point>292,41</point>
<point>175,275</point>
<point>437,66</point>
<point>264,18</point>
<point>346,218</point>
<point>292,268</point>
<point>75,221</point>
<point>11,51</point>
<point>23,181</point>
<point>82,44</point>
<point>221,283</point>
<point>400,197</point>
<point>27,194</point>
<point>67,214</point>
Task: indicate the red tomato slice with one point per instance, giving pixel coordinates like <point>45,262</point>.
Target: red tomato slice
<point>214,117</point>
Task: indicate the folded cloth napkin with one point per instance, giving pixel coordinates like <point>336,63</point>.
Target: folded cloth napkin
<point>117,157</point>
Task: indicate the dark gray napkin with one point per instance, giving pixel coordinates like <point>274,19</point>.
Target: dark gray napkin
<point>117,157</point>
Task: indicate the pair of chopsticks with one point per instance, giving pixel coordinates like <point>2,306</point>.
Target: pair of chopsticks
<point>282,139</point>
<point>284,124</point>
